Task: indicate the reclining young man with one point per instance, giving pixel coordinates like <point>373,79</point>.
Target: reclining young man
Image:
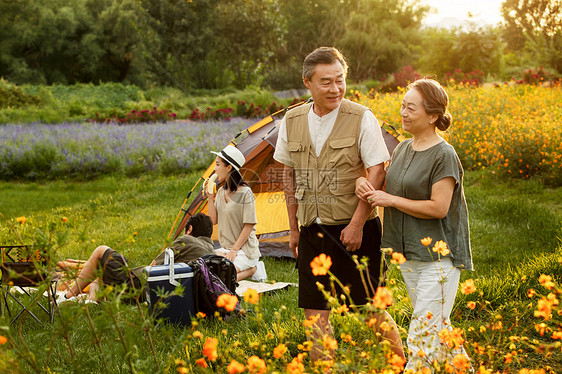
<point>114,266</point>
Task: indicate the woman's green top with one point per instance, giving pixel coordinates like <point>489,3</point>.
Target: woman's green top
<point>411,174</point>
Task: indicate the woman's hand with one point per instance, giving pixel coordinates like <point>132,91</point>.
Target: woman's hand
<point>379,198</point>
<point>363,187</point>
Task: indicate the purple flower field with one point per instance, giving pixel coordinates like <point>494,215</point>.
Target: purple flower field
<point>88,150</point>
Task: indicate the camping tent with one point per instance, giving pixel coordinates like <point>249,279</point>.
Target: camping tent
<point>264,176</point>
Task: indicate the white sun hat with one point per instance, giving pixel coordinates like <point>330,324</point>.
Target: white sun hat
<point>232,156</point>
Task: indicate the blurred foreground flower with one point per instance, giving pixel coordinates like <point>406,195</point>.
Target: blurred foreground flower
<point>426,241</point>
<point>397,258</point>
<point>546,281</point>
<point>235,367</point>
<point>251,296</point>
<point>311,320</point>
<point>383,298</point>
<point>441,248</point>
<point>468,287</point>
<point>21,220</point>
<point>227,302</point>
<point>201,362</point>
<point>321,264</point>
<point>453,338</point>
<point>210,349</point>
<point>256,365</point>
<point>280,350</point>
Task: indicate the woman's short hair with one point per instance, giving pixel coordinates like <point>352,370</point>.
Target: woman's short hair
<point>322,55</point>
<point>435,101</point>
<point>201,225</point>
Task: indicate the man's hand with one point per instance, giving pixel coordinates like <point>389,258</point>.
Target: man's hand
<point>294,242</point>
<point>352,236</point>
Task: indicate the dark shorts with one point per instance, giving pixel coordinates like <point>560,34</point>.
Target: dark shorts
<point>115,270</point>
<point>316,239</point>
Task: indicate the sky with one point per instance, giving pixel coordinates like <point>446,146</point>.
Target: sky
<point>486,10</point>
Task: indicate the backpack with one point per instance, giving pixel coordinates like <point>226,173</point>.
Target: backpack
<point>213,276</point>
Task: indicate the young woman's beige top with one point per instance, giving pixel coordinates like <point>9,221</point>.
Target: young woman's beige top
<point>231,217</point>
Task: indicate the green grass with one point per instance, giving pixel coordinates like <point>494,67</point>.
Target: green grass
<point>515,231</point>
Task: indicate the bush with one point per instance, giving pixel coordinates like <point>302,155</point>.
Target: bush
<point>12,96</point>
<point>400,79</point>
<point>474,78</point>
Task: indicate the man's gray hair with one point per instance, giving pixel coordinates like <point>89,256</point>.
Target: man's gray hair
<point>322,55</point>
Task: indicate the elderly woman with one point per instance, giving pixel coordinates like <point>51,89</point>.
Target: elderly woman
<point>424,203</point>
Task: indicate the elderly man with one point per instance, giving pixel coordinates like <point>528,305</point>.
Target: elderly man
<point>325,146</point>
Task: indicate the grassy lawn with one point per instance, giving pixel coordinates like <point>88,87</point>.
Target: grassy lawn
<point>515,232</point>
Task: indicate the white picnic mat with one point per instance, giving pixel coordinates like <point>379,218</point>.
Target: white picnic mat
<point>261,287</point>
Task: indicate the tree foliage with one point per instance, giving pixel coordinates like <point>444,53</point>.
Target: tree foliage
<point>535,25</point>
<point>469,49</point>
<point>380,36</point>
<point>208,44</point>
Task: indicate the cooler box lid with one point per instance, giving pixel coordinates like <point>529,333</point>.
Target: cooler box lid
<point>162,272</point>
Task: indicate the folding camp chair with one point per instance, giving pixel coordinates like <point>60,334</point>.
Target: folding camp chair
<point>24,267</point>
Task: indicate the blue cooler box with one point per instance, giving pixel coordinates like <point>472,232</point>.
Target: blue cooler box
<point>164,278</point>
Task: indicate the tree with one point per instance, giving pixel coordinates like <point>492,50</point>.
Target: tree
<point>246,34</point>
<point>68,41</point>
<point>380,36</point>
<point>537,26</point>
<point>178,54</point>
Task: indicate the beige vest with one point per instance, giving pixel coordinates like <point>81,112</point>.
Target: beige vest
<point>325,185</point>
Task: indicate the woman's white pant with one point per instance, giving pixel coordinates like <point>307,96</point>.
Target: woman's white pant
<point>432,287</point>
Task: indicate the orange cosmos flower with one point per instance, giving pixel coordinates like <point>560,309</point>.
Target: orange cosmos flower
<point>471,305</point>
<point>441,248</point>
<point>295,367</point>
<point>426,241</point>
<point>546,281</point>
<point>200,315</point>
<point>280,350</point>
<point>557,335</point>
<point>383,298</point>
<point>544,309</point>
<point>227,302</point>
<point>21,220</point>
<point>461,362</point>
<point>397,258</point>
<point>329,343</point>
<point>256,365</point>
<point>321,264</point>
<point>3,339</point>
<point>342,309</point>
<point>251,296</point>
<point>235,367</point>
<point>452,338</point>
<point>311,320</point>
<point>468,287</point>
<point>210,349</point>
<point>64,219</point>
<point>530,292</point>
<point>397,361</point>
<point>540,327</point>
<point>201,362</point>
